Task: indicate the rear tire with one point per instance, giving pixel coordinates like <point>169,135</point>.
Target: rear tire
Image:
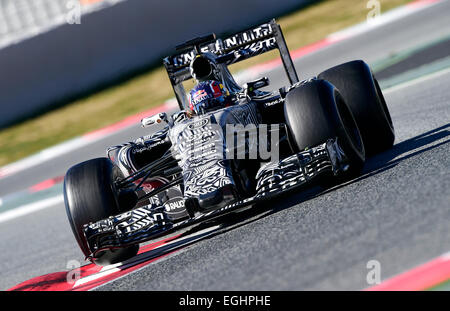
<point>90,196</point>
<point>316,112</point>
<point>363,95</point>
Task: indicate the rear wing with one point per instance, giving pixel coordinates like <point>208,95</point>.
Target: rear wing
<point>256,40</point>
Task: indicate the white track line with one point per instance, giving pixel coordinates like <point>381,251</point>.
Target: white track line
<point>417,80</point>
<point>42,156</point>
<point>30,208</point>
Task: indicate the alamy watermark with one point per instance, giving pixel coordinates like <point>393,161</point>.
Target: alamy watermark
<point>234,141</point>
<point>74,273</point>
<point>374,7</point>
<point>73,15</point>
<point>373,277</point>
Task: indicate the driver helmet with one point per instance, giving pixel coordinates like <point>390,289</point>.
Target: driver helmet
<point>208,95</point>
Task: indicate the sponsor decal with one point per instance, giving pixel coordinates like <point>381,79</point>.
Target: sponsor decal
<point>199,96</point>
<point>248,36</point>
<point>174,206</point>
<point>148,146</point>
<point>275,102</point>
<point>198,124</point>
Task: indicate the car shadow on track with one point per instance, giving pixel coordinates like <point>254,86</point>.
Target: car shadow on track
<point>400,152</point>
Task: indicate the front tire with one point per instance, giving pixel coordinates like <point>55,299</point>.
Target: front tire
<point>90,195</point>
<point>316,112</point>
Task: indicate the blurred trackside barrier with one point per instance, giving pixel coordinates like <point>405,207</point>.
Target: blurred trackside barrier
<point>110,43</point>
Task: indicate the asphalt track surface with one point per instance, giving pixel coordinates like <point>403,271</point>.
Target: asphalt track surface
<point>396,213</point>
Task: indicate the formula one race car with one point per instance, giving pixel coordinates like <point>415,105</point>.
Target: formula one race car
<point>212,157</point>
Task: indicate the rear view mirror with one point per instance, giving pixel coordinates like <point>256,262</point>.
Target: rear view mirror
<point>154,120</point>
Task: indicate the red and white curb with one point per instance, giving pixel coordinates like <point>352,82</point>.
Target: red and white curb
<point>92,276</point>
<point>423,277</point>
